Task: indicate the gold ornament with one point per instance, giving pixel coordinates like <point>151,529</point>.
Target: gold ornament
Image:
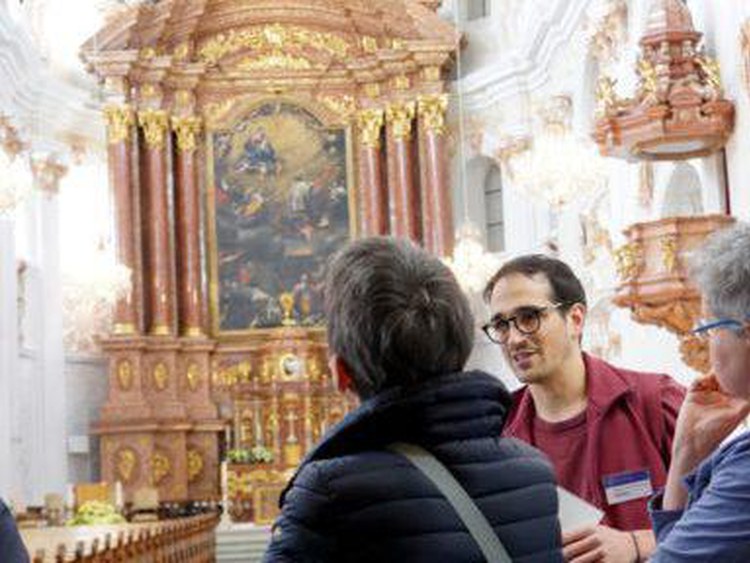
<point>125,374</point>
<point>160,468</point>
<point>628,261</point>
<point>606,98</point>
<point>186,128</point>
<point>275,37</point>
<point>712,72</point>
<point>193,376</point>
<point>119,122</point>
<point>431,73</point>
<point>195,464</point>
<point>345,105</point>
<point>669,253</point>
<point>286,300</point>
<point>161,376</point>
<point>648,78</point>
<point>369,123</point>
<point>276,60</point>
<point>401,82</point>
<point>154,123</point>
<point>125,464</point>
<point>432,110</point>
<point>213,112</point>
<point>369,44</point>
<point>399,117</point>
<point>372,90</point>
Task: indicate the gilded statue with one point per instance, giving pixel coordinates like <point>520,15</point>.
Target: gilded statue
<point>648,78</point>
<point>711,72</point>
<point>286,300</point>
<point>669,253</point>
<point>606,98</point>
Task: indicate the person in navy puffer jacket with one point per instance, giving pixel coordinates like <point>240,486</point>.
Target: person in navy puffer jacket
<point>400,331</point>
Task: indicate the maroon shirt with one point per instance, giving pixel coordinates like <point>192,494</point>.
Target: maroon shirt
<point>627,427</point>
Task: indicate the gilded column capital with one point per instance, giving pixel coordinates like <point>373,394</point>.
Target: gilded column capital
<point>119,121</point>
<point>369,123</point>
<point>187,129</point>
<point>399,117</point>
<point>432,110</point>
<point>154,123</point>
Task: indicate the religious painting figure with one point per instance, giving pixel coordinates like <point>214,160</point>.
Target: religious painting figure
<point>280,208</point>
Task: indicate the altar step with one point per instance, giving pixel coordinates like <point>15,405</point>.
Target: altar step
<point>241,542</point>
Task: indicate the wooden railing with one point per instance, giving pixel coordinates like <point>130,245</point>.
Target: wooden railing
<point>185,540</point>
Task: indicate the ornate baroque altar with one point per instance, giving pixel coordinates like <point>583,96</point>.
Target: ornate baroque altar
<point>247,142</point>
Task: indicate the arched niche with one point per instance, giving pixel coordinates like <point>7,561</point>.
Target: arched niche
<point>683,194</point>
<point>482,200</point>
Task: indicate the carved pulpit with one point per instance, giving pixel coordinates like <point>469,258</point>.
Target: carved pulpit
<point>248,141</point>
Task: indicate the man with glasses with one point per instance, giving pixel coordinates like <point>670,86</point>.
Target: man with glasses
<point>608,431</point>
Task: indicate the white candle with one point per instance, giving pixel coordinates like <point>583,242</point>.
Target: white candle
<point>118,495</point>
<point>224,479</point>
<point>70,497</point>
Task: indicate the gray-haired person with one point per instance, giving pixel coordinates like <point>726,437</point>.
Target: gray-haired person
<point>704,512</point>
<point>399,332</point>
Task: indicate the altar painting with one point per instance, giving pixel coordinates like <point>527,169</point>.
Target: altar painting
<point>280,208</point>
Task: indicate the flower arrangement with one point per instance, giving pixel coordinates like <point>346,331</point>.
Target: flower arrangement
<point>96,512</point>
<point>256,454</point>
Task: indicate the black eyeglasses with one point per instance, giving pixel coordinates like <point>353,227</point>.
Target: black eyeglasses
<point>707,327</point>
<point>527,320</point>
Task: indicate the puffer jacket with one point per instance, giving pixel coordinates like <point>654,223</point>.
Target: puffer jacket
<point>352,500</point>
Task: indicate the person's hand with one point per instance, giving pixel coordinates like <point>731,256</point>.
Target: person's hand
<point>707,416</point>
<point>598,543</point>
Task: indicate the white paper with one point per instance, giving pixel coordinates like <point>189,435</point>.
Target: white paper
<point>575,512</point>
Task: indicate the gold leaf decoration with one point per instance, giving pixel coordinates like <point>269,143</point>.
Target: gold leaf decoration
<point>275,37</point>
<point>119,121</point>
<point>432,110</point>
<point>154,123</point>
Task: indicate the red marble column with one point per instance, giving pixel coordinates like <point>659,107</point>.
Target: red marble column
<point>187,227</point>
<point>119,129</point>
<point>403,199</point>
<point>159,276</point>
<point>373,205</point>
<point>437,216</point>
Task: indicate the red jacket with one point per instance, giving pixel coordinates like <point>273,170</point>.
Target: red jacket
<point>630,420</point>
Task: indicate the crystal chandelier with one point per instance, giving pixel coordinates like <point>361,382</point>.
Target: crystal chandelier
<point>471,263</point>
<point>559,167</point>
<point>91,287</point>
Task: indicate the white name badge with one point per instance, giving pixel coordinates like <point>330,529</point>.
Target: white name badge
<point>630,485</point>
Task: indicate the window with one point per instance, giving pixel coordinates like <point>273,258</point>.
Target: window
<point>493,198</point>
<point>476,9</point>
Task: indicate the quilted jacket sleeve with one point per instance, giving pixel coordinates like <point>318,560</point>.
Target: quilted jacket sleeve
<point>12,549</point>
<point>300,532</point>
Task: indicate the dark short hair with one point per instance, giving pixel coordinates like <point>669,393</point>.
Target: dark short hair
<point>566,287</point>
<point>395,314</point>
